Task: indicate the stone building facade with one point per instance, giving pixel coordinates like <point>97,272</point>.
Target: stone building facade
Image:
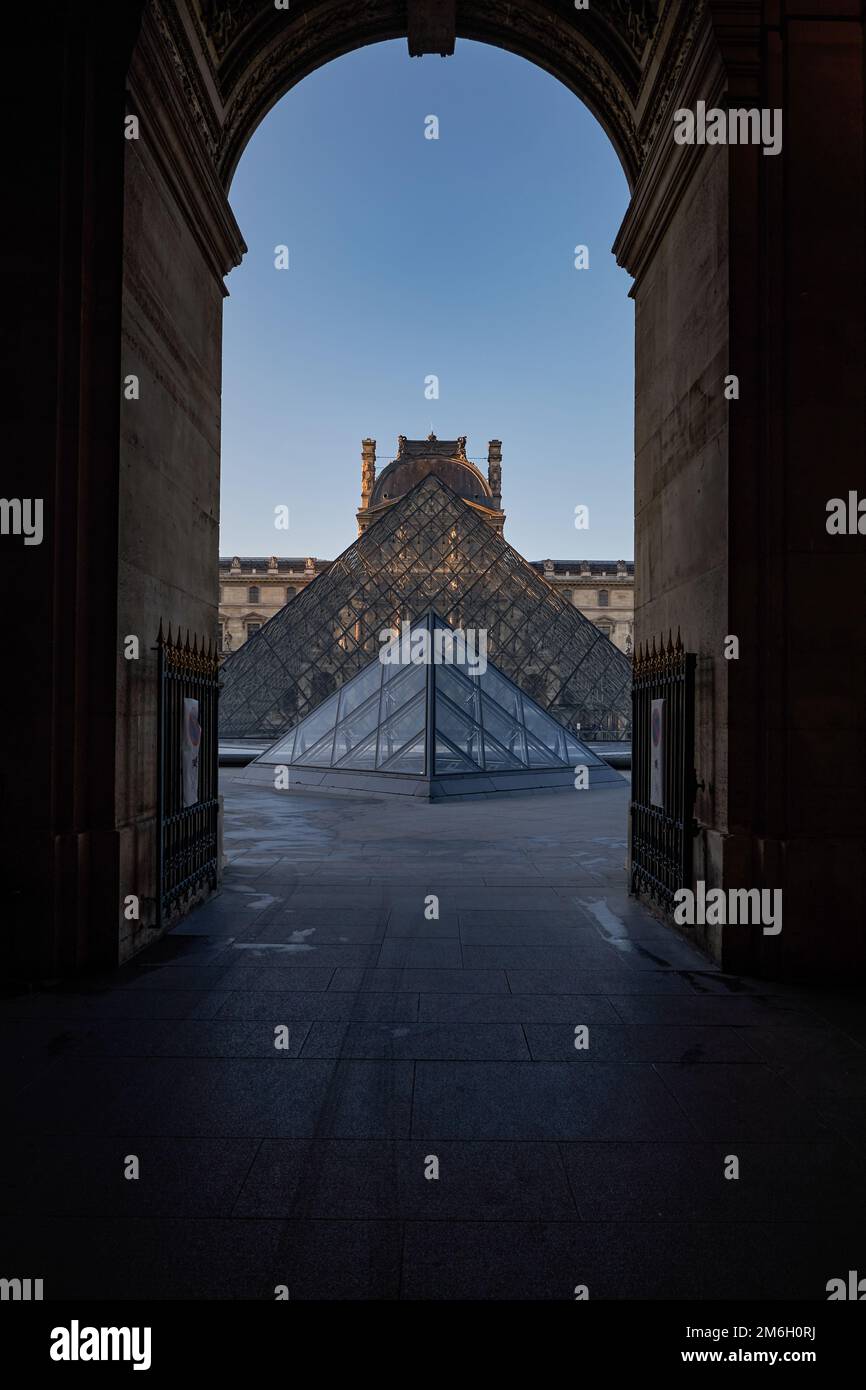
<point>253,589</point>
<point>603,590</point>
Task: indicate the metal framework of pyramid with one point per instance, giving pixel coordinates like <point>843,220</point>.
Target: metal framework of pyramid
<point>429,550</point>
<point>428,718</point>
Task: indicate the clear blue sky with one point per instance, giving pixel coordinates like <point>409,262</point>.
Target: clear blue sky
<point>410,257</point>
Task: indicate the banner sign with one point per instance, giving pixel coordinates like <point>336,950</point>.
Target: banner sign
<point>657,754</point>
<point>190,745</point>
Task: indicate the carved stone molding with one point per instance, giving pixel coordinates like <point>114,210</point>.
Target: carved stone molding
<point>290,52</point>
<point>624,58</point>
<point>696,71</point>
<point>224,20</point>
<point>181,136</point>
<point>635,20</point>
<point>166,21</point>
<point>595,56</point>
<point>686,22</point>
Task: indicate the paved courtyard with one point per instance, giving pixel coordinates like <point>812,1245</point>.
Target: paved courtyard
<point>416,1044</point>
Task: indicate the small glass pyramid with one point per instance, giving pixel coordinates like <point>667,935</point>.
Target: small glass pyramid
<point>430,710</point>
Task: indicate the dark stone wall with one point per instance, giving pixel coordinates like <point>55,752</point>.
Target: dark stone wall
<point>797,756</point>
<point>62,103</point>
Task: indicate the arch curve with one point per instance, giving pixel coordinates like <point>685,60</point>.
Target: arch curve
<point>259,53</point>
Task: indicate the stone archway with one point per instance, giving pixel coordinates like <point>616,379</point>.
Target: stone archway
<point>728,503</point>
<point>260,53</point>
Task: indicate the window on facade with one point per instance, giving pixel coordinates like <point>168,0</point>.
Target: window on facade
<point>603,598</point>
<point>252,627</point>
<point>253,594</point>
<point>604,628</point>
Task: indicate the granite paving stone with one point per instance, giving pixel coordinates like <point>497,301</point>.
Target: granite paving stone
<point>328,1089</point>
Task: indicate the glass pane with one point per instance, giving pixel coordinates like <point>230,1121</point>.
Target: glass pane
<point>448,760</point>
<point>282,751</point>
<point>506,731</point>
<point>576,750</point>
<point>496,759</point>
<point>458,730</point>
<point>410,759</point>
<point>363,756</point>
<point>539,756</point>
<point>404,725</point>
<point>319,755</point>
<point>398,691</point>
<point>545,730</point>
<point>360,689</point>
<point>458,689</point>
<point>312,729</point>
<point>503,692</point>
<point>356,728</point>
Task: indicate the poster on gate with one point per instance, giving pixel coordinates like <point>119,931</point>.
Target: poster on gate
<point>190,745</point>
<point>657,754</point>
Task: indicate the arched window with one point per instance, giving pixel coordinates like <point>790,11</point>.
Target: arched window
<point>253,595</point>
<point>603,598</point>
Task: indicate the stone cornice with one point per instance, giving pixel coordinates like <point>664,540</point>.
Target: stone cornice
<point>179,133</point>
<point>668,168</point>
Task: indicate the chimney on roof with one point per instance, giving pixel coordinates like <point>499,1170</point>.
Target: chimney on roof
<point>368,470</point>
<point>494,471</point>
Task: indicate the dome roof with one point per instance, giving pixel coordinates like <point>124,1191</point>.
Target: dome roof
<point>418,457</point>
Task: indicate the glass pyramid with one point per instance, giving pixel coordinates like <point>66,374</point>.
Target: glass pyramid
<point>430,550</point>
<point>430,719</point>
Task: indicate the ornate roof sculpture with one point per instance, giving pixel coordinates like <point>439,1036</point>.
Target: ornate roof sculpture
<point>414,460</point>
<point>430,718</point>
<point>430,549</point>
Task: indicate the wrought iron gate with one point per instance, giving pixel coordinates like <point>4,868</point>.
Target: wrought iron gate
<point>663,774</point>
<point>187,771</point>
